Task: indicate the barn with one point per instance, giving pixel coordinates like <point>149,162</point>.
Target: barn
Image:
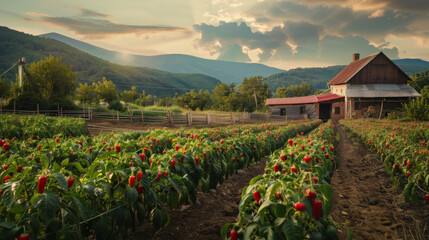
<point>368,87</point>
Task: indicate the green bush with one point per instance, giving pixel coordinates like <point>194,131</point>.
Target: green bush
<point>116,105</point>
<point>417,109</point>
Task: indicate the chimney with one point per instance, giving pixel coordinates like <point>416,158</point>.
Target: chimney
<point>356,57</point>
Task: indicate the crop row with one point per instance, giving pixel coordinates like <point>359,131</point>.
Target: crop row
<point>293,199</point>
<point>20,127</point>
<point>77,187</point>
<point>403,149</point>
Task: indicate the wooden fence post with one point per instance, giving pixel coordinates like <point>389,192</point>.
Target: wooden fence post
<point>117,116</point>
<point>61,111</point>
<point>38,109</point>
<point>142,117</point>
<point>14,106</point>
<point>131,115</point>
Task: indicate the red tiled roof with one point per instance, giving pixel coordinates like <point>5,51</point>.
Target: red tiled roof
<point>351,70</point>
<point>328,97</point>
<point>302,100</point>
<point>291,101</point>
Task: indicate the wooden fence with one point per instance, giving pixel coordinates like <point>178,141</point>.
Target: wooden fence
<point>154,117</point>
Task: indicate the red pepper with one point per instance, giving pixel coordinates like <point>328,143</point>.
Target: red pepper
<point>197,160</point>
<point>307,158</point>
<point>159,176</point>
<point>41,184</point>
<point>90,150</point>
<point>299,206</point>
<point>132,181</point>
<point>315,180</point>
<point>19,168</point>
<point>139,175</point>
<point>276,168</point>
<point>24,237</point>
<point>233,235</point>
<point>118,148</point>
<point>140,189</point>
<point>173,163</point>
<point>283,158</point>
<point>310,195</point>
<point>142,156</point>
<point>70,182</point>
<point>6,147</point>
<point>293,169</point>
<point>5,167</point>
<point>257,196</point>
<point>427,199</point>
<point>317,209</point>
<point>177,147</point>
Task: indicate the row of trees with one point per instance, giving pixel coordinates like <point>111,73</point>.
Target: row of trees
<point>49,83</point>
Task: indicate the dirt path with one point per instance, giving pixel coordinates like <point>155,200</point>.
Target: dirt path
<point>366,201</point>
<point>212,210</point>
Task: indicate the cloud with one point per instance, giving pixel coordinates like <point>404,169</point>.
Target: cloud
<point>291,40</point>
<point>377,14</point>
<point>374,23</point>
<point>89,13</point>
<point>227,34</point>
<point>93,28</point>
<point>419,6</point>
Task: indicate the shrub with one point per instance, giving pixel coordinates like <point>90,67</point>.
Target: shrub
<point>116,105</point>
<point>417,109</point>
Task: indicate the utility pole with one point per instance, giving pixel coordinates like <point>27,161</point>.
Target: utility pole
<point>256,100</point>
<point>20,63</point>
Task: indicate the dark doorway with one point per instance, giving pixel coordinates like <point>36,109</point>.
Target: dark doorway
<point>325,111</point>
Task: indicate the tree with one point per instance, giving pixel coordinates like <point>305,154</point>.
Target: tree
<point>85,92</point>
<point>257,89</point>
<point>130,96</point>
<point>219,96</point>
<point>52,80</point>
<point>425,92</point>
<point>304,89</point>
<point>194,100</point>
<point>105,90</point>
<point>143,99</point>
<point>4,89</point>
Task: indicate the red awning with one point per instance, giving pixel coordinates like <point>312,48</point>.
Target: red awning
<point>302,100</point>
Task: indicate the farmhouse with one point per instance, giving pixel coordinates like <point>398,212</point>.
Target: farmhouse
<point>368,87</point>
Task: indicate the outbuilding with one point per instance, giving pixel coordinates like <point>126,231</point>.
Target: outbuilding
<point>368,87</point>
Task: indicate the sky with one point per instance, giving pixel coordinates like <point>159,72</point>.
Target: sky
<point>279,33</point>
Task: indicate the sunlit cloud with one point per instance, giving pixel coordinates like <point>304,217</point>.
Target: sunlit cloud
<point>92,28</point>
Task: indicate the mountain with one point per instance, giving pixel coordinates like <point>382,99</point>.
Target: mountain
<point>226,71</point>
<point>14,45</point>
<point>319,77</point>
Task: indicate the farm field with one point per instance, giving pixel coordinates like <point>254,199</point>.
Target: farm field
<point>193,183</point>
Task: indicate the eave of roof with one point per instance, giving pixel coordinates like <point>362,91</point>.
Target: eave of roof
<point>302,100</point>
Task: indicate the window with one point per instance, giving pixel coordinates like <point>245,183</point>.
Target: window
<point>337,110</point>
<point>302,110</point>
<point>357,105</point>
<point>282,111</point>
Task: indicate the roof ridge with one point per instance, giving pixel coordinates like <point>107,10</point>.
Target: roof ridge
<point>363,61</point>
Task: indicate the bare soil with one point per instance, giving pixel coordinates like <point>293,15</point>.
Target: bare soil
<point>204,219</point>
<point>366,201</point>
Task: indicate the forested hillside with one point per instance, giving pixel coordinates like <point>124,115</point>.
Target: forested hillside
<point>14,45</point>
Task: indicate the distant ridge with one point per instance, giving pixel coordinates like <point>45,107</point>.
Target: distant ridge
<point>225,71</point>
